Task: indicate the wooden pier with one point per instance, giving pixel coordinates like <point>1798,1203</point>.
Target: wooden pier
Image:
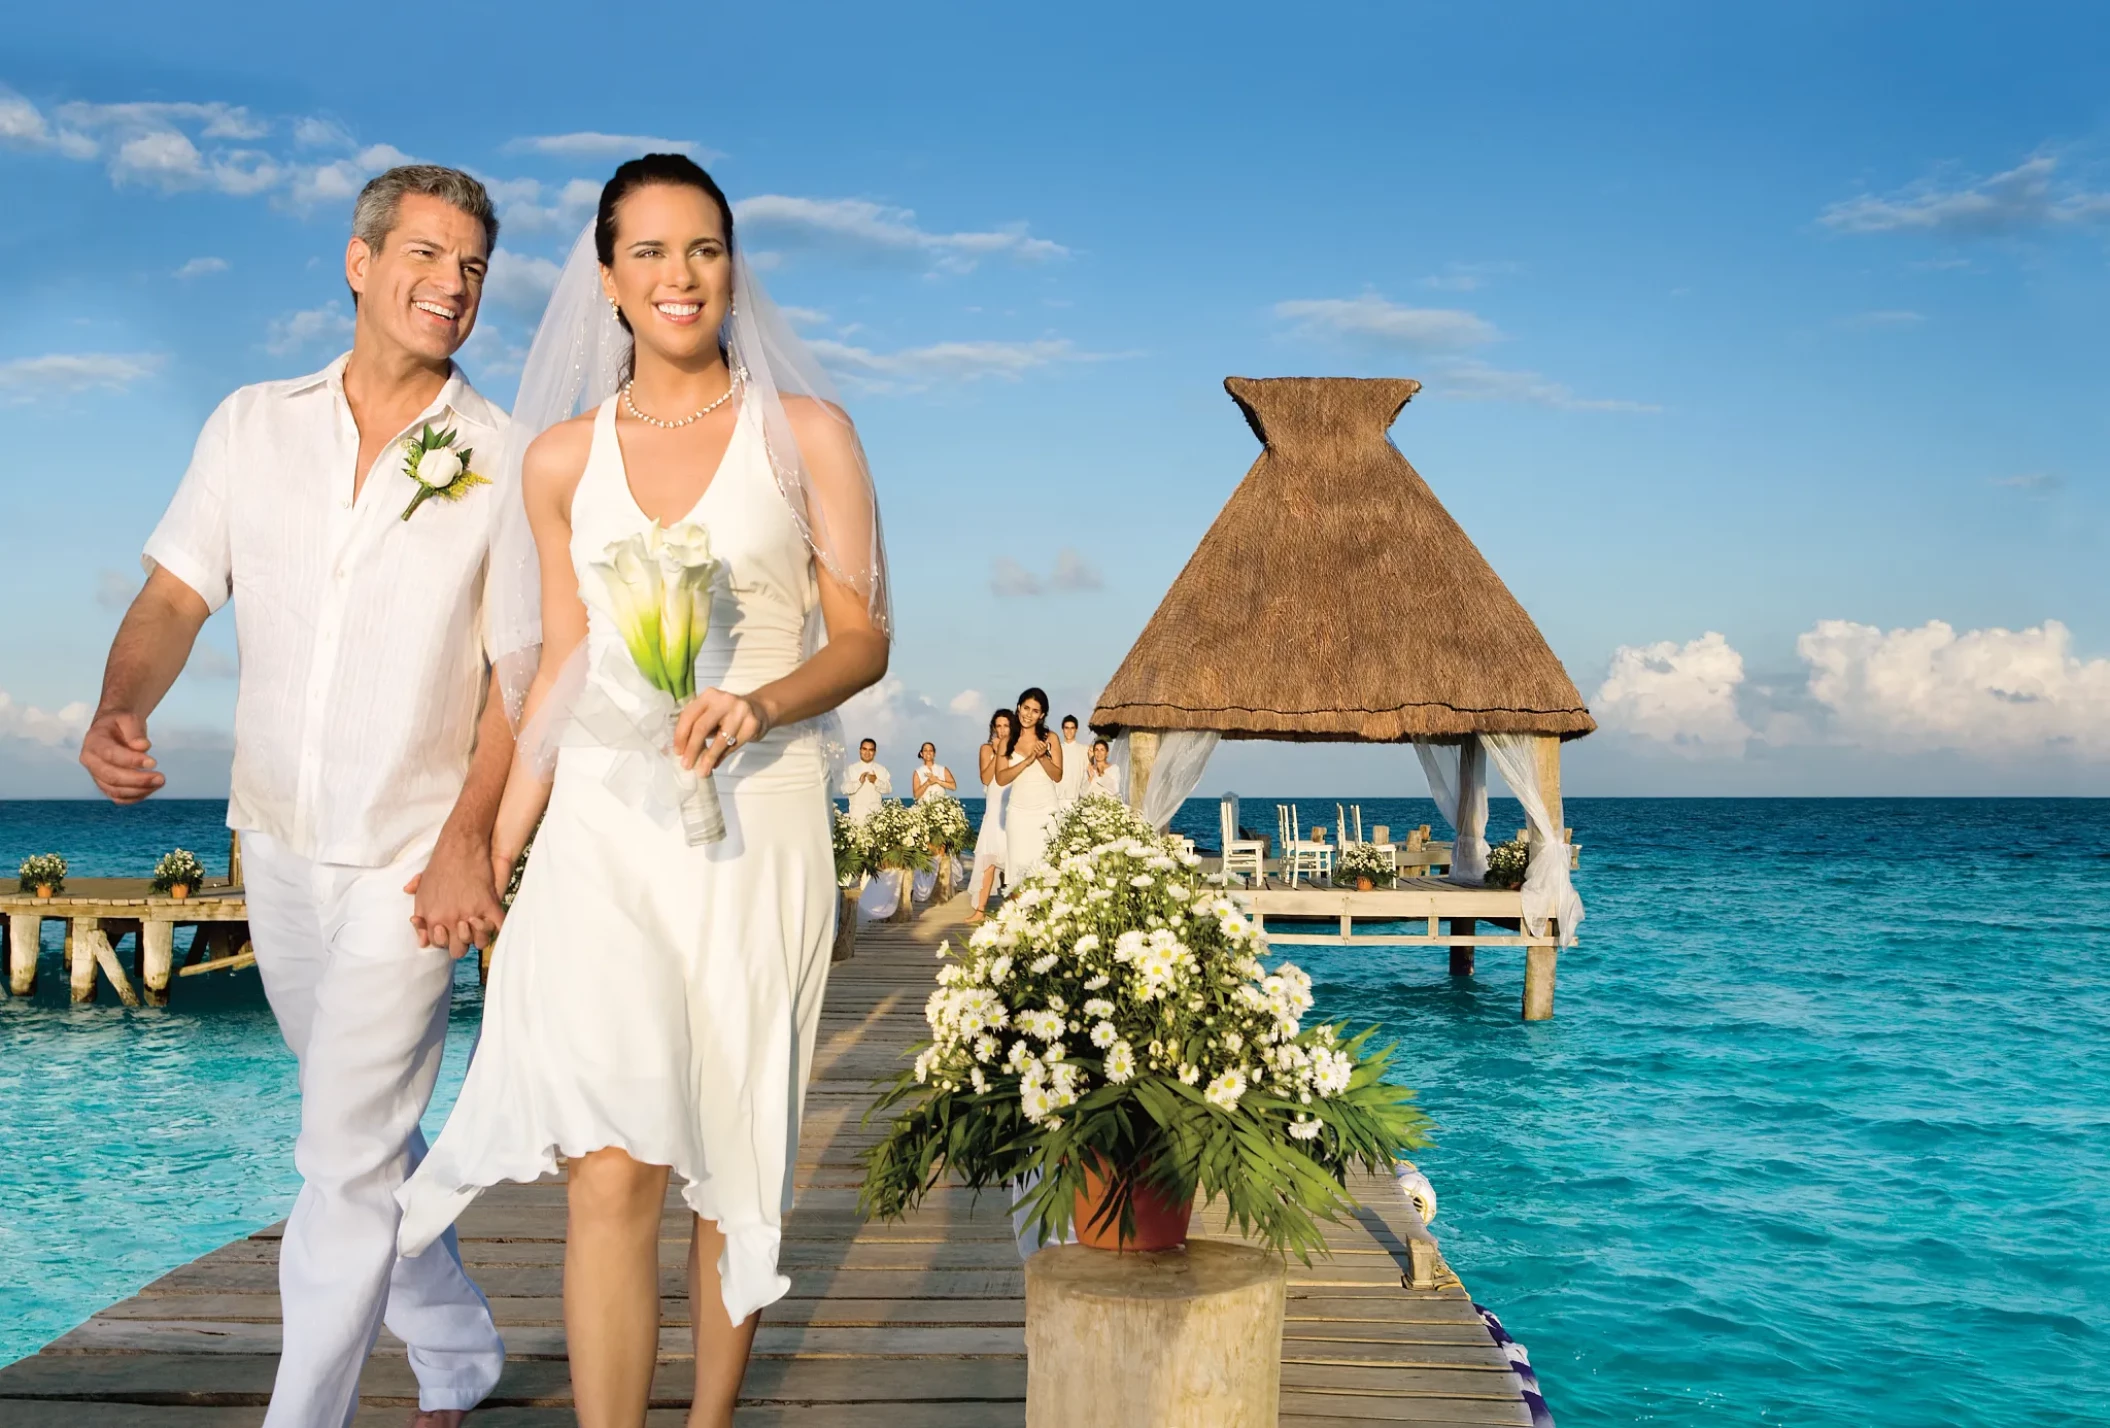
<point>912,1325</point>
<point>100,913</point>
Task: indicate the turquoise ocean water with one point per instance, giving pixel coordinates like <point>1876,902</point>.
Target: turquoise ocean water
<point>1820,1133</point>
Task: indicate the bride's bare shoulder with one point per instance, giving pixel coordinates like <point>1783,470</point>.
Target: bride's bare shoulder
<point>555,460</point>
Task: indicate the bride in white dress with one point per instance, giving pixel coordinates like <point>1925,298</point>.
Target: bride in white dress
<point>989,841</point>
<point>1033,780</point>
<point>653,1005</point>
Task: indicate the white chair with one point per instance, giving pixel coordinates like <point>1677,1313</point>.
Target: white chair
<point>1241,855</point>
<point>1301,855</point>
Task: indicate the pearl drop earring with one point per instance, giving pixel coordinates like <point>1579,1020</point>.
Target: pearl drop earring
<point>616,308</point>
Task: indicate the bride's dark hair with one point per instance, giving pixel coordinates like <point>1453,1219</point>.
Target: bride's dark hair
<point>1040,697</point>
<point>1010,725</point>
<point>677,169</point>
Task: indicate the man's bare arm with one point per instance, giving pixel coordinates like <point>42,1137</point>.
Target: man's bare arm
<point>152,644</point>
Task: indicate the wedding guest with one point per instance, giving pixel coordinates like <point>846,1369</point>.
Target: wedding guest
<point>1034,780</point>
<point>1075,761</point>
<point>932,779</point>
<point>1102,776</point>
<point>989,843</point>
<point>867,783</point>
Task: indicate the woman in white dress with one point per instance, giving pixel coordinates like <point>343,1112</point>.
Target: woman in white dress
<point>933,779</point>
<point>1103,777</point>
<point>653,1004</point>
<point>989,842</point>
<point>1033,780</point>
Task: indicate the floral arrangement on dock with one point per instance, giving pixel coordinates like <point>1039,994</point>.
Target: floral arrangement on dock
<point>1112,1039</point>
<point>945,827</point>
<point>1094,821</point>
<point>1507,863</point>
<point>853,850</point>
<point>1363,862</point>
<point>895,833</point>
<point>43,874</point>
<point>178,874</point>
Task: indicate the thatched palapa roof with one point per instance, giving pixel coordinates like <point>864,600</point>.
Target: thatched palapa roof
<point>1335,598</point>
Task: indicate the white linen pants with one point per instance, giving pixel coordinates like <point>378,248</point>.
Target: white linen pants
<point>364,1009</point>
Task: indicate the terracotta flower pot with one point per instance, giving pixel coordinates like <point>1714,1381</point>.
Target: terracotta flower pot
<point>1364,885</point>
<point>180,891</point>
<point>44,891</point>
<point>1160,1223</point>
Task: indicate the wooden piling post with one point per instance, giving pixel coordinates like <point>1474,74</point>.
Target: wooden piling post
<point>80,960</point>
<point>1182,1339</point>
<point>25,934</point>
<point>157,959</point>
<point>845,926</point>
<point>1142,758</point>
<point>1462,956</point>
<point>1541,963</point>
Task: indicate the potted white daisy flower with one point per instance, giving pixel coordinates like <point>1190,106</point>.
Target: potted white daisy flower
<point>1114,1039</point>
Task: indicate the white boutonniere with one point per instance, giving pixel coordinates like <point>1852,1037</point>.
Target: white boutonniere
<point>439,468</point>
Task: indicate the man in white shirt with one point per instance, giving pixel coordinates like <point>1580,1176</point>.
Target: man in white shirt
<point>867,783</point>
<point>368,762</point>
<point>1075,760</point>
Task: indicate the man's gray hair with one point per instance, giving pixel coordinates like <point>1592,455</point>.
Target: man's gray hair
<point>374,215</point>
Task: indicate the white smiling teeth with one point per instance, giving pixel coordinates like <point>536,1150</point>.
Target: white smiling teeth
<point>680,309</point>
<point>435,309</point>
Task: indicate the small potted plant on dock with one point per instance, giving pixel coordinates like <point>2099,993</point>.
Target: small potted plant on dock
<point>946,833</point>
<point>43,874</point>
<point>1112,1040</point>
<point>1366,867</point>
<point>898,848</point>
<point>1507,863</point>
<point>178,874</point>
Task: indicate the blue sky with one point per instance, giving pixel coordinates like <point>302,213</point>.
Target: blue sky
<point>1762,350</point>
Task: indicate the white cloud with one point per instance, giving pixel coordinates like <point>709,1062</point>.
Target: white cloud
<point>858,225</point>
<point>318,133</point>
<point>339,181</point>
<point>1074,572</point>
<point>39,726</point>
<point>1989,691</point>
<point>199,267</point>
<point>296,330</point>
<point>588,144</point>
<point>2037,481</point>
<point>114,589</point>
<point>967,701</point>
<point>531,206</point>
<point>212,662</point>
<point>1008,578</point>
<point>917,367</point>
<point>25,377</point>
<point>2023,198</point>
<point>23,126</point>
<point>520,281</point>
<point>1373,318</point>
<point>213,121</point>
<point>1466,277</point>
<point>1681,695</point>
<point>1470,379</point>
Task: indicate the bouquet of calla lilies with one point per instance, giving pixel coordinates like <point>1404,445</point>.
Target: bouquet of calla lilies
<point>659,582</point>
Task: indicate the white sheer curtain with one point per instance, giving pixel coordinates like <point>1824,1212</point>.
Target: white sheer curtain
<point>1548,890</point>
<point>1182,756</point>
<point>1457,775</point>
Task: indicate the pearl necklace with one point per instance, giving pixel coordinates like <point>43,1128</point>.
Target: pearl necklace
<point>631,407</point>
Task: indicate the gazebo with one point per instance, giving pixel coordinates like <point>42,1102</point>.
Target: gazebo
<point>1335,599</point>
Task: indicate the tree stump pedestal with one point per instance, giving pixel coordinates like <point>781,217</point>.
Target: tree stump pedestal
<point>845,926</point>
<point>1188,1338</point>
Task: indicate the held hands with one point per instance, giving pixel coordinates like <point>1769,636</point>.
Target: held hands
<point>457,903</point>
<point>114,752</point>
<point>714,724</point>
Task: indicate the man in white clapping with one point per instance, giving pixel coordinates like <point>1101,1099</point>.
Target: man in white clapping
<point>352,511</point>
<point>867,784</point>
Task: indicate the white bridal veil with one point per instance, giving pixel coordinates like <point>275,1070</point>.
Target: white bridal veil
<point>578,359</point>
